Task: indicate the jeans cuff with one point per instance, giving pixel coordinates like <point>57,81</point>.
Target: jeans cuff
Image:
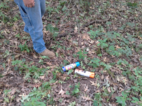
<point>44,48</point>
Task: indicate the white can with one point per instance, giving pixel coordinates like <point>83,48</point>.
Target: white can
<point>85,73</point>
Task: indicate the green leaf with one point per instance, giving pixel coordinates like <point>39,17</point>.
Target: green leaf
<point>69,72</point>
<point>95,103</point>
<point>76,89</point>
<point>132,5</point>
<point>64,8</point>
<point>135,100</point>
<point>121,100</point>
<point>93,34</point>
<point>6,99</point>
<point>27,75</point>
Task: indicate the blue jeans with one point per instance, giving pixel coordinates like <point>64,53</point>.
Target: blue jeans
<point>33,22</point>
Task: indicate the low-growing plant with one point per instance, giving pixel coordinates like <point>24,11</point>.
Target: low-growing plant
<point>37,95</point>
<point>97,100</point>
<point>33,71</point>
<point>82,54</point>
<point>6,95</point>
<point>103,43</point>
<point>24,47</point>
<point>53,30</point>
<point>112,51</point>
<point>93,34</point>
<point>76,89</point>
<point>95,62</point>
<point>122,99</point>
<point>72,104</point>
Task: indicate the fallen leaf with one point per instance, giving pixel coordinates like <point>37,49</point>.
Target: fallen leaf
<point>122,79</point>
<point>75,29</point>
<point>85,97</point>
<point>42,77</point>
<point>60,76</point>
<point>92,83</point>
<point>49,63</point>
<point>117,47</point>
<point>13,91</point>
<point>97,42</point>
<point>109,89</point>
<point>36,85</point>
<point>85,88</point>
<point>9,61</point>
<point>61,91</point>
<point>16,56</point>
<point>86,36</point>
<point>34,56</point>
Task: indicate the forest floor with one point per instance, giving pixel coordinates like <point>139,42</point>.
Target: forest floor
<point>103,35</point>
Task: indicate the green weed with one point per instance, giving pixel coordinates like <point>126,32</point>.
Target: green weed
<point>33,71</point>
<point>53,30</point>
<point>6,95</point>
<point>24,47</point>
<point>97,100</point>
<point>76,89</point>
<point>122,99</point>
<point>103,43</point>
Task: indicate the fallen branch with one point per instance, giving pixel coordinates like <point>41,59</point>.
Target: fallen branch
<point>91,23</point>
<point>73,33</point>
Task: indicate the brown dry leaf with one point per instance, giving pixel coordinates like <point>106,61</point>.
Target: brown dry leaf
<point>13,91</point>
<point>15,27</point>
<point>23,95</point>
<point>86,36</point>
<point>75,29</point>
<point>36,85</point>
<point>92,83</point>
<point>109,89</point>
<point>45,32</point>
<point>117,47</point>
<point>91,42</point>
<point>60,76</point>
<point>52,67</point>
<point>122,79</point>
<point>42,77</point>
<point>140,37</point>
<point>18,99</point>
<point>86,98</point>
<point>9,61</point>
<point>105,59</point>
<point>34,56</point>
<point>36,81</point>
<point>49,63</point>
<point>16,56</point>
<point>61,91</point>
<point>2,84</point>
<point>114,104</point>
<point>85,88</point>
<point>97,42</point>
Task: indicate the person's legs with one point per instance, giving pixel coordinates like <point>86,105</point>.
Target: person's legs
<point>35,31</point>
<point>43,7</point>
<point>33,24</point>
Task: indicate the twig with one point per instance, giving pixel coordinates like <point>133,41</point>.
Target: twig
<point>91,23</point>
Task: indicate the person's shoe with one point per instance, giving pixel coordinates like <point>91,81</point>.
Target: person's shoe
<point>48,53</point>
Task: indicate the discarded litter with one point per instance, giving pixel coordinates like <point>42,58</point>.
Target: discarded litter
<point>71,66</point>
<point>85,73</point>
<point>78,71</point>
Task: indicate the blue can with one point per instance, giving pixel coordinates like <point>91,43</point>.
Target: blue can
<point>71,66</point>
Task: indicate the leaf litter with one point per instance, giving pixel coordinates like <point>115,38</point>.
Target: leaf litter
<point>75,38</point>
